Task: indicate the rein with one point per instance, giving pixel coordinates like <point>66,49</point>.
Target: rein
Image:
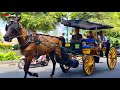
<point>29,41</point>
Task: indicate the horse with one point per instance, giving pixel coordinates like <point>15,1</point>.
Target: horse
<point>47,45</point>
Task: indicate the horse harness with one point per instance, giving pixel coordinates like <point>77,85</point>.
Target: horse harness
<point>31,39</point>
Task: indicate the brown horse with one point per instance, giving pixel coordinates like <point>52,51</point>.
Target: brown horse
<point>47,45</point>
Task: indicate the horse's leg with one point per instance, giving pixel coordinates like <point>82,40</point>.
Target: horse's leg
<point>26,67</point>
<point>54,63</point>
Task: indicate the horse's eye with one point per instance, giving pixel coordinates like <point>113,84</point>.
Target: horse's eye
<point>14,31</point>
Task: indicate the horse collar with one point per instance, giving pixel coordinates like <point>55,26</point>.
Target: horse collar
<point>27,42</point>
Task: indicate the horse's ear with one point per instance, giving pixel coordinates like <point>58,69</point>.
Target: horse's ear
<point>18,19</point>
<point>6,28</point>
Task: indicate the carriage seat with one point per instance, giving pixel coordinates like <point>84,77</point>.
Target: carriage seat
<point>86,46</point>
<point>88,40</point>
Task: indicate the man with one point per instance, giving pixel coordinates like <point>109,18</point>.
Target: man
<point>103,41</point>
<point>90,36</point>
<point>77,37</point>
<point>102,37</point>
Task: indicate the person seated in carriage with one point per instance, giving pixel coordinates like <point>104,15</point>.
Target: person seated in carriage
<point>76,39</point>
<point>90,36</point>
<point>102,39</point>
<point>103,42</point>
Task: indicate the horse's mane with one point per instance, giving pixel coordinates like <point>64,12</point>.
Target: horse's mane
<point>48,35</point>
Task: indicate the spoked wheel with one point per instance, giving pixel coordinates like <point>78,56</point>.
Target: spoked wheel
<point>64,68</point>
<point>21,64</point>
<point>88,65</point>
<point>112,58</point>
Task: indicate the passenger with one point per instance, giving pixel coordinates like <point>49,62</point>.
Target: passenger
<point>90,36</point>
<point>103,41</point>
<point>101,37</point>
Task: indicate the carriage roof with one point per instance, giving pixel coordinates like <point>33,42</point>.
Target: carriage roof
<point>85,25</point>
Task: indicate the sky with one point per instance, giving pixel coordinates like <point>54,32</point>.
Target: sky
<point>2,26</point>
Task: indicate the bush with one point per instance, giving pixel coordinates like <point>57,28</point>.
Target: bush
<point>1,56</point>
<point>9,56</point>
<point>15,47</point>
<point>5,46</point>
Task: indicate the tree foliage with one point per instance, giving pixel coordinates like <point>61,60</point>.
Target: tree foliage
<point>107,18</point>
<point>47,21</point>
<point>40,21</point>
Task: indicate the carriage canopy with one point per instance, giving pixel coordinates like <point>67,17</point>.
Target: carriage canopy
<point>86,25</point>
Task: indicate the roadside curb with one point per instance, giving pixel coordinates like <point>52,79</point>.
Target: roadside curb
<point>9,62</point>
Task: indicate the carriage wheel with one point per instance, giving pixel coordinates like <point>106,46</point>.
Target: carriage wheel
<point>88,65</point>
<point>64,68</point>
<point>112,58</point>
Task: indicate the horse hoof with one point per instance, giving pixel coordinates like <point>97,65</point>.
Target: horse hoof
<point>35,74</point>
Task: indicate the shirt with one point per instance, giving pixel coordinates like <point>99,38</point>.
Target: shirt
<point>77,37</point>
<point>104,38</point>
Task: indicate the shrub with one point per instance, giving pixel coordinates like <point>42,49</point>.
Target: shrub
<point>5,46</point>
<point>9,56</point>
<point>1,56</point>
<point>15,47</point>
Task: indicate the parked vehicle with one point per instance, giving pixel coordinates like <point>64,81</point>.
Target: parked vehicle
<point>41,61</point>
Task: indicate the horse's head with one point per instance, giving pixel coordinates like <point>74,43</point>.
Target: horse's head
<point>12,30</point>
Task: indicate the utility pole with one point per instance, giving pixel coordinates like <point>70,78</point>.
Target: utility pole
<point>67,28</point>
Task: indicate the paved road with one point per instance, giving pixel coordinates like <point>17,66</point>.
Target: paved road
<point>102,71</point>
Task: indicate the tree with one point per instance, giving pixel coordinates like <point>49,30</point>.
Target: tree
<point>107,18</point>
<point>40,21</point>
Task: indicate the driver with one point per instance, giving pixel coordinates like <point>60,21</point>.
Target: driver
<point>77,37</point>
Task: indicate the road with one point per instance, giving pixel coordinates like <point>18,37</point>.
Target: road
<point>101,71</point>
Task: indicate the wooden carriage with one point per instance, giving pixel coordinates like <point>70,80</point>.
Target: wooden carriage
<point>88,50</point>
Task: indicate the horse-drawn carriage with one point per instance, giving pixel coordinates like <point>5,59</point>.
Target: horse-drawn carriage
<point>67,58</point>
<point>88,50</point>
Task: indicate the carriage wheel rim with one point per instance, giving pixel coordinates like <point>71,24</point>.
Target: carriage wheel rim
<point>112,58</point>
<point>65,67</point>
<point>89,65</point>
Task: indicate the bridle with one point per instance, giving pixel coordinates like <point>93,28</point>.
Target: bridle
<point>26,43</point>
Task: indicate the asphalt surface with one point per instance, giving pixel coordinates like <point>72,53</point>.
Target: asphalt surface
<point>11,70</point>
